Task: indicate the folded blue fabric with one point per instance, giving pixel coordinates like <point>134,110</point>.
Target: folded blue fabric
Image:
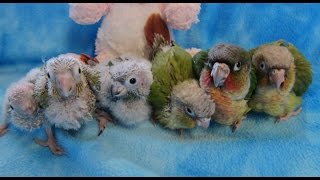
<point>30,32</point>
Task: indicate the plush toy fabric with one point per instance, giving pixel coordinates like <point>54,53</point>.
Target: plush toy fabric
<point>123,29</point>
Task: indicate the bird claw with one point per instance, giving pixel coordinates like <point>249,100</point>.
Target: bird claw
<point>103,117</point>
<point>236,125</point>
<point>101,129</point>
<point>3,130</point>
<point>153,121</point>
<point>180,132</point>
<point>234,128</point>
<point>287,116</point>
<point>53,146</point>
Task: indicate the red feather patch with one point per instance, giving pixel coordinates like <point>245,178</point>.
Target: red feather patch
<point>231,85</point>
<point>207,79</point>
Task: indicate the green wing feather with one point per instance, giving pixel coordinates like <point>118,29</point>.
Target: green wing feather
<point>303,69</point>
<point>93,78</point>
<point>253,83</point>
<point>199,61</point>
<point>41,91</point>
<point>168,68</point>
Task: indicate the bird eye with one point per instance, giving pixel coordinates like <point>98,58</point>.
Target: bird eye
<point>48,75</point>
<point>189,112</point>
<point>262,66</point>
<point>237,66</point>
<point>210,64</point>
<point>11,107</point>
<point>133,81</point>
<point>79,70</point>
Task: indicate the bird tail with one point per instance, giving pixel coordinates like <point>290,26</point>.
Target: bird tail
<point>156,32</point>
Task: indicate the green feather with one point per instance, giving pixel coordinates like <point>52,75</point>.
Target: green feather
<point>253,83</point>
<point>168,68</point>
<point>93,79</point>
<point>41,96</point>
<point>199,60</point>
<point>303,71</point>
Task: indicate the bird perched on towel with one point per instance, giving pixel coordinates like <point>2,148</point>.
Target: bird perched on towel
<point>20,107</point>
<point>66,96</point>
<point>178,101</point>
<point>284,75</point>
<point>227,77</point>
<point>125,85</point>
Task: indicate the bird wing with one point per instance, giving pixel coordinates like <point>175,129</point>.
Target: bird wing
<point>168,69</point>
<point>199,61</point>
<point>303,69</point>
<point>41,90</point>
<point>253,83</point>
<point>92,77</point>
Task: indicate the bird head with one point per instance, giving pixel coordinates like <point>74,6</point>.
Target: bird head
<point>226,61</point>
<point>65,77</point>
<point>190,106</point>
<point>132,78</point>
<point>21,99</point>
<point>273,63</point>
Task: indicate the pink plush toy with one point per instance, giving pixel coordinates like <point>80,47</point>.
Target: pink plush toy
<point>123,31</point>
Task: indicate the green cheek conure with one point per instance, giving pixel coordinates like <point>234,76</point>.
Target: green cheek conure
<point>227,75</point>
<point>178,101</point>
<point>284,75</point>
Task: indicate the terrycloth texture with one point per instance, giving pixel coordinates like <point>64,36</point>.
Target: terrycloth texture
<point>258,148</point>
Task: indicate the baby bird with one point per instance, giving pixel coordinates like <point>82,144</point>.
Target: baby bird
<point>283,76</point>
<point>20,107</point>
<point>67,97</point>
<point>125,85</point>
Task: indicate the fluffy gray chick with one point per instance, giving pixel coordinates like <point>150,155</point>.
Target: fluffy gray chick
<point>69,102</point>
<point>20,107</point>
<point>125,85</point>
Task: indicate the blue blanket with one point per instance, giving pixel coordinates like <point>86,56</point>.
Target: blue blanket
<point>30,32</point>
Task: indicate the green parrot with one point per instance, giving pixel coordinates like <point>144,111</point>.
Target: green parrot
<point>225,72</point>
<point>284,75</point>
<point>178,101</point>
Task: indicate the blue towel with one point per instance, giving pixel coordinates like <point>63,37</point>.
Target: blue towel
<point>30,32</point>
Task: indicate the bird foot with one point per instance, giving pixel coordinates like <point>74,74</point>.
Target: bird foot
<point>153,120</point>
<point>286,117</point>
<point>180,132</point>
<point>53,146</point>
<point>237,124</point>
<point>103,117</point>
<point>3,129</point>
<point>234,127</point>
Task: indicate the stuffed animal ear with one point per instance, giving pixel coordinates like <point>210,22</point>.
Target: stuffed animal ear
<point>88,13</point>
<point>180,15</point>
<point>156,25</point>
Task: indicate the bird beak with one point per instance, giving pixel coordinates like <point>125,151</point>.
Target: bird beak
<point>203,122</point>
<point>118,90</point>
<point>219,73</point>
<point>31,109</point>
<point>66,84</point>
<point>277,77</point>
